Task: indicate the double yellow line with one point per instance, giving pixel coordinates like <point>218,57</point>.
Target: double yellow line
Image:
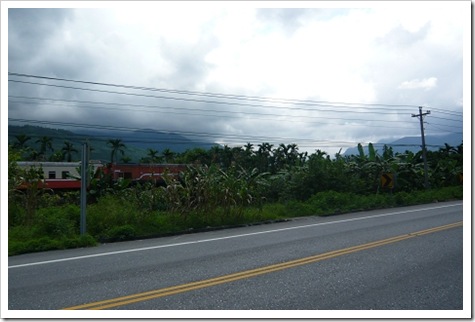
<point>140,297</point>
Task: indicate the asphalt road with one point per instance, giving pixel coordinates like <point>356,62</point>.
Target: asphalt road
<point>407,258</point>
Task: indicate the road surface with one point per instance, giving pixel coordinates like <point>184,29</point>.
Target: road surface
<point>407,258</point>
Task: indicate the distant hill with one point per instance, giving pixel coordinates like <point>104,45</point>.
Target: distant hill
<point>136,142</point>
<point>152,139</point>
<point>414,144</point>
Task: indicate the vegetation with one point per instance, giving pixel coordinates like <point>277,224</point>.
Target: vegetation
<point>222,186</point>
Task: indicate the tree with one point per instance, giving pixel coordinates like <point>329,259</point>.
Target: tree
<point>226,157</point>
<point>45,145</point>
<point>248,156</point>
<point>264,156</point>
<point>152,156</point>
<point>14,171</point>
<point>196,156</point>
<point>168,155</point>
<point>215,153</point>
<point>57,156</point>
<point>68,151</point>
<point>125,159</point>
<point>248,148</point>
<point>117,146</point>
<point>20,144</point>
<point>237,155</point>
<point>31,179</point>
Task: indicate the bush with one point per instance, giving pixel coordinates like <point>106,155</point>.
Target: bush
<point>332,202</point>
<point>121,233</point>
<point>277,210</point>
<point>403,198</point>
<point>298,209</point>
<point>58,221</point>
<point>375,201</point>
<point>16,212</point>
<point>110,212</point>
<point>16,247</point>
<point>85,240</point>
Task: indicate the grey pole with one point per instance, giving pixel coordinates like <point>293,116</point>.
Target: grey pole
<point>84,175</point>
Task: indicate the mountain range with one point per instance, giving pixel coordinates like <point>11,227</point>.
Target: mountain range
<point>414,143</point>
<point>138,142</point>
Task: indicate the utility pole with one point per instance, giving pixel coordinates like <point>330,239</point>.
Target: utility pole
<point>84,179</point>
<point>424,156</point>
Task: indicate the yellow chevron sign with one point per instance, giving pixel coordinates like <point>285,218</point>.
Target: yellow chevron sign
<point>387,180</point>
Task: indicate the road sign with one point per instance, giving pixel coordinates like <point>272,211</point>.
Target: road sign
<point>387,180</point>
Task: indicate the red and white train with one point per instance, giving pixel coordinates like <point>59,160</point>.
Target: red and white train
<point>66,176</point>
<point>142,172</point>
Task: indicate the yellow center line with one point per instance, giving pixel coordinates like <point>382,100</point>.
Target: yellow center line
<point>140,297</point>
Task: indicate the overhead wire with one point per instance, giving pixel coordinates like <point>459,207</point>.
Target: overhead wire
<point>444,118</point>
<point>226,96</point>
<point>241,137</point>
<point>235,114</point>
<point>438,126</point>
<point>217,95</point>
<point>156,106</point>
<point>238,100</point>
<point>193,100</point>
<point>438,110</point>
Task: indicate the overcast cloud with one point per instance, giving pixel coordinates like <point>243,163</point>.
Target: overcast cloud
<point>399,53</point>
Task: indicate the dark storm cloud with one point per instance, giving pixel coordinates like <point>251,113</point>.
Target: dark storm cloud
<point>189,66</point>
<point>29,32</point>
<point>250,52</point>
<point>48,42</point>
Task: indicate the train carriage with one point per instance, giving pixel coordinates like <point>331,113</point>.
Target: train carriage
<point>65,175</point>
<point>143,172</point>
<point>60,175</point>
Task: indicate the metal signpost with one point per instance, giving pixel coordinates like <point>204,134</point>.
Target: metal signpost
<point>84,175</point>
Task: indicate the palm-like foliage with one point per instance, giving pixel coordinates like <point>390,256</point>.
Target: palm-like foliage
<point>21,140</point>
<point>46,144</point>
<point>168,155</point>
<point>117,146</point>
<point>68,150</point>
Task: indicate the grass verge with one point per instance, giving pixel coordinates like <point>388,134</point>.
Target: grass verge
<point>111,219</point>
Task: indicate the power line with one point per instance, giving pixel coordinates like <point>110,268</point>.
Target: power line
<point>238,100</point>
<point>105,139</point>
<point>216,95</point>
<point>186,111</point>
<point>444,125</point>
<point>443,118</point>
<point>240,97</point>
<point>455,113</point>
<point>437,126</point>
<point>242,112</point>
<point>189,99</point>
<point>184,133</point>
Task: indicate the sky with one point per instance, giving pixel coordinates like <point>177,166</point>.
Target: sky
<point>323,75</point>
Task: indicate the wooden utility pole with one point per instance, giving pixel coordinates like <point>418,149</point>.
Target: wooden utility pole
<point>424,155</point>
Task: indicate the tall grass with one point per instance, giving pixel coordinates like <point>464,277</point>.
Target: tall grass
<point>127,216</point>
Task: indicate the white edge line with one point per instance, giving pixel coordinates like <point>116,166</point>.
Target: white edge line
<point>227,237</point>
